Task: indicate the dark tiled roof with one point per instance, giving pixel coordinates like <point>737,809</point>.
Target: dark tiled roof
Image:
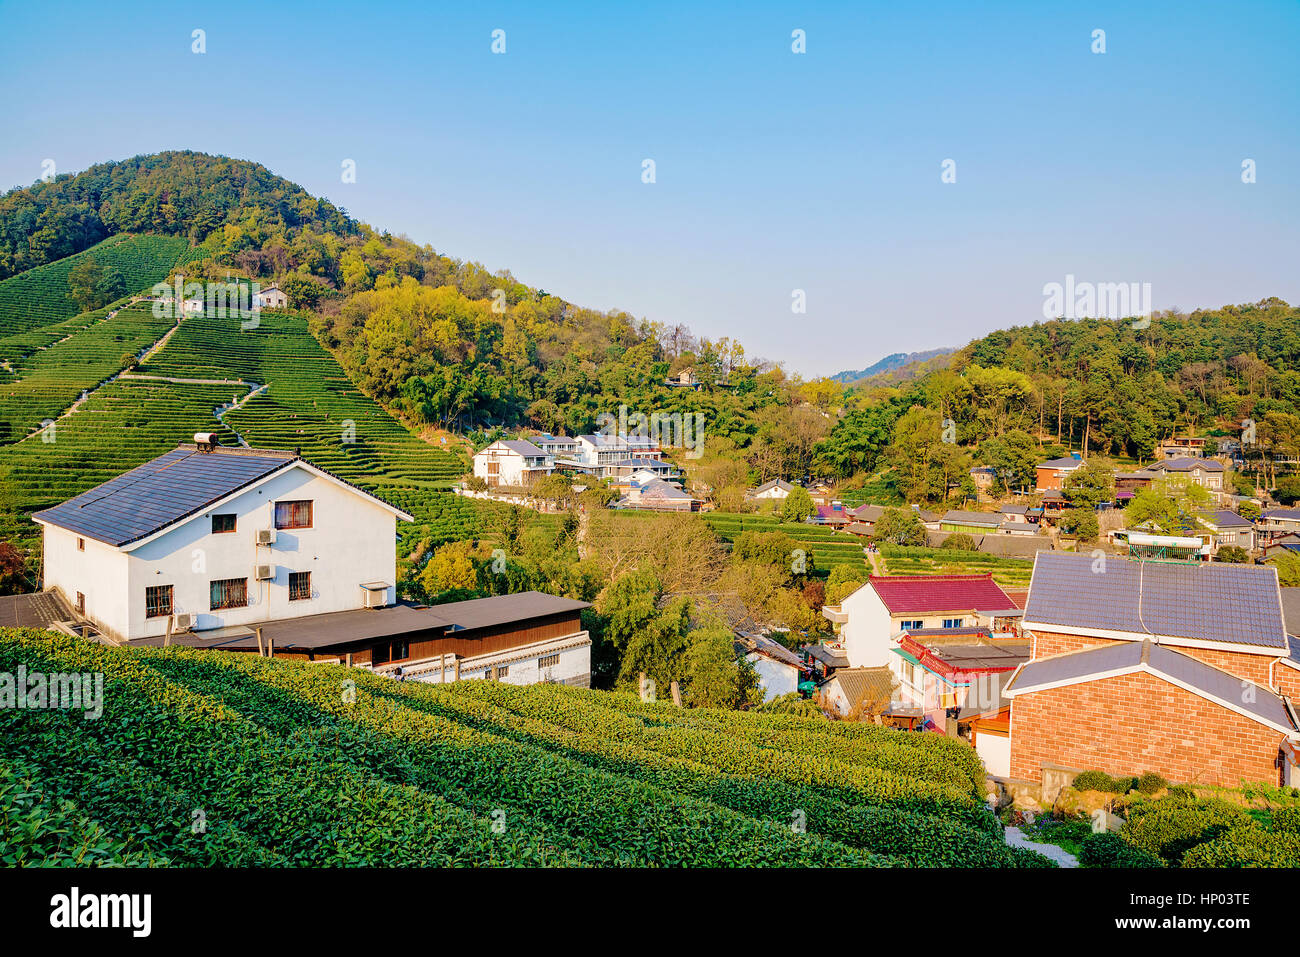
<point>1226,518</point>
<point>826,656</point>
<point>957,517</point>
<point>1211,602</point>
<point>152,496</point>
<point>332,629</point>
<point>1197,676</point>
<point>1291,514</point>
<point>523,447</point>
<point>1187,465</point>
<point>1291,609</point>
<point>916,594</point>
<point>769,648</point>
<point>1060,463</point>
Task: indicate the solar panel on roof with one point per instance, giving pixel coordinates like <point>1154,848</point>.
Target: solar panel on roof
<point>1213,602</point>
<point>160,492</point>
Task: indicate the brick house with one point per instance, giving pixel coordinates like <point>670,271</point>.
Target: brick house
<point>1051,475</point>
<point>1183,669</point>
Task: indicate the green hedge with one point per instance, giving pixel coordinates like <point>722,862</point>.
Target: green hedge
<point>1111,850</point>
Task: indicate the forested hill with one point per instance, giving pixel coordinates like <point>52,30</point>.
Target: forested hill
<point>1134,381</point>
<point>444,343</point>
<point>175,194</point>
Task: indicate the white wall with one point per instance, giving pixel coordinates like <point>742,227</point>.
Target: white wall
<point>511,465</point>
<point>776,677</point>
<point>865,635</point>
<point>99,573</point>
<point>574,665</point>
<point>995,751</point>
<point>352,540</point>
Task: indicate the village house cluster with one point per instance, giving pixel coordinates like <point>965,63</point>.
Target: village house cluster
<point>633,464</point>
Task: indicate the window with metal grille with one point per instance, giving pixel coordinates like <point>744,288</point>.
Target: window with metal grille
<point>293,514</point>
<point>222,524</point>
<point>548,661</point>
<point>229,593</point>
<point>158,601</point>
<point>299,585</point>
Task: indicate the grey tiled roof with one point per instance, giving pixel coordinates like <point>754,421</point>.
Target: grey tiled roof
<point>523,447</point>
<point>1210,602</point>
<point>1226,518</point>
<point>958,517</point>
<point>1187,465</point>
<point>1192,673</point>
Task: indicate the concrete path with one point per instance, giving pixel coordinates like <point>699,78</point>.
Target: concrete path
<point>1016,838</point>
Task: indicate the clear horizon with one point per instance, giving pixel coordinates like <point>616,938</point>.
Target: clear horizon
<point>775,171</point>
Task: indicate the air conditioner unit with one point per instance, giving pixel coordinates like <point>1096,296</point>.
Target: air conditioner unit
<point>266,536</point>
<point>374,594</point>
<point>183,623</point>
<point>264,573</point>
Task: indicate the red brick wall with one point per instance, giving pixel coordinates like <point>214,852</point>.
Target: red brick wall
<point>1251,667</point>
<point>1288,682</point>
<point>1135,723</point>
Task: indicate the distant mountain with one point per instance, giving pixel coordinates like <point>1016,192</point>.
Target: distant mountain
<point>889,364</point>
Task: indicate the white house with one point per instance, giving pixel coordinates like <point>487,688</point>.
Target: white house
<point>779,669</point>
<point>206,537</point>
<point>775,490</point>
<point>259,551</point>
<point>272,297</point>
<point>512,462</point>
<point>192,306</point>
<point>871,621</point>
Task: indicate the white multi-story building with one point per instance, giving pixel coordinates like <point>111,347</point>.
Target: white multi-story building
<point>518,462</point>
<point>512,462</point>
<point>257,550</point>
<point>211,537</point>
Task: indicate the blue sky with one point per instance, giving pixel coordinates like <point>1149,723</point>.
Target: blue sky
<point>774,171</point>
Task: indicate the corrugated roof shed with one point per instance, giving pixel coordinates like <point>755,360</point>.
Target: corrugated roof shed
<point>1210,602</point>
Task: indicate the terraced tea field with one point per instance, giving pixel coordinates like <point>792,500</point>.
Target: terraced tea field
<point>310,405</point>
<point>39,297</point>
<point>48,381</point>
<point>291,772</point>
<point>916,560</point>
<point>828,548</point>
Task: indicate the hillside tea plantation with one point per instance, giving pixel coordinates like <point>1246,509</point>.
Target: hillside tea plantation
<point>39,297</point>
<point>286,765</point>
<point>209,366</point>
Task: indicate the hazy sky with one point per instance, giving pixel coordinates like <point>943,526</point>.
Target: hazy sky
<point>775,171</point>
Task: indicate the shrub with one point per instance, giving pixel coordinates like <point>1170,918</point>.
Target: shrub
<point>1150,782</point>
<point>1169,828</point>
<point>1111,850</point>
<point>1247,845</point>
<point>1101,781</point>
